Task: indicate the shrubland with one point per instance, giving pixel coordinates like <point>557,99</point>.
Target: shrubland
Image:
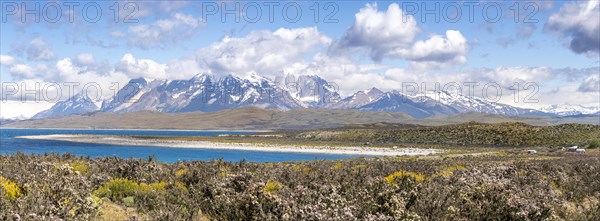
<point>466,134</point>
<point>451,136</point>
<point>503,186</point>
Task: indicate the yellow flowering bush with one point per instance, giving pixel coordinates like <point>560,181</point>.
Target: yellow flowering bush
<point>449,171</point>
<point>393,178</point>
<point>118,188</point>
<point>180,172</point>
<point>79,166</point>
<point>12,190</point>
<point>272,186</point>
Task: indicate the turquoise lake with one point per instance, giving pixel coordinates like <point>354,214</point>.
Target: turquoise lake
<point>10,144</point>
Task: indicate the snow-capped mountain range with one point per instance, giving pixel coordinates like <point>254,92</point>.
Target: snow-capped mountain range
<point>77,104</point>
<point>570,110</point>
<point>208,93</point>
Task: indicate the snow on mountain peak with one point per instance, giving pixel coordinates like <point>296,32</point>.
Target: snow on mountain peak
<point>205,92</point>
<point>255,78</point>
<point>77,104</point>
<point>570,110</point>
<point>201,77</point>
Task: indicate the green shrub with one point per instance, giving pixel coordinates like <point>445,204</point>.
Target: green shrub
<point>181,186</point>
<point>180,172</point>
<point>449,171</point>
<point>118,188</point>
<point>79,166</point>
<point>128,201</point>
<point>159,186</point>
<point>272,186</point>
<point>594,144</point>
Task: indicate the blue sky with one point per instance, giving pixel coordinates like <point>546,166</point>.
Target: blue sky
<point>552,43</point>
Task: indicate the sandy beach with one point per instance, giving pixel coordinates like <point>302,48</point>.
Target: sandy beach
<point>131,141</point>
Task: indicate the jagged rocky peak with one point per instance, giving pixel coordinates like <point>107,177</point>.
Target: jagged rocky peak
<point>202,77</point>
<point>140,81</point>
<point>312,90</point>
<point>254,77</point>
<point>373,91</point>
<point>77,104</point>
<point>358,99</point>
<point>213,92</point>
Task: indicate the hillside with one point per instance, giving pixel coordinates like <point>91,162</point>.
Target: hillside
<point>242,118</point>
<point>252,118</point>
<point>466,134</point>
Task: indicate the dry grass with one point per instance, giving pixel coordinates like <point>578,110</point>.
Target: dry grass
<point>114,212</point>
<point>252,118</point>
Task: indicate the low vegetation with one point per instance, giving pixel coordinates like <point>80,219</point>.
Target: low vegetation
<point>454,136</point>
<point>594,144</point>
<point>467,134</point>
<point>10,189</point>
<point>504,186</point>
<point>261,119</point>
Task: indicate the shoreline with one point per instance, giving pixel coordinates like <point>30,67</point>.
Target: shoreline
<point>209,130</point>
<point>130,141</point>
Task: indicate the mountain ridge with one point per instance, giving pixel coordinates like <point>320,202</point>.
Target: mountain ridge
<point>207,93</point>
<point>77,104</point>
<point>571,110</point>
<point>254,118</point>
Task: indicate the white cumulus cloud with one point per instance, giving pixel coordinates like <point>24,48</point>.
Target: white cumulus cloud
<point>21,71</point>
<point>590,84</point>
<point>85,58</point>
<point>134,67</point>
<point>379,31</point>
<point>261,51</point>
<point>580,22</point>
<point>392,34</point>
<point>39,50</point>
<point>6,60</point>
<point>438,50</point>
<point>164,32</point>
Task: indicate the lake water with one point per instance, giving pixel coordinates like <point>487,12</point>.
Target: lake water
<point>9,144</point>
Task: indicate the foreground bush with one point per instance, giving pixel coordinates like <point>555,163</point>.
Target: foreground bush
<point>119,188</point>
<point>10,189</point>
<point>513,187</point>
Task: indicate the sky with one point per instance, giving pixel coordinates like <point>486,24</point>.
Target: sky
<point>531,53</point>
